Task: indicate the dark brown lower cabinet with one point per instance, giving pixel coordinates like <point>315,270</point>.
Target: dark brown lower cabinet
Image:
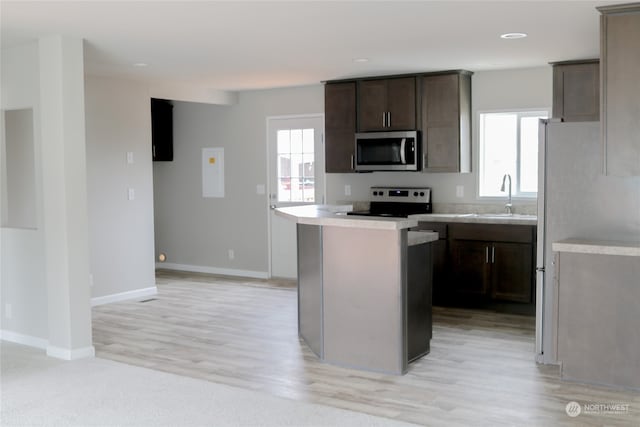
<point>470,272</point>
<point>496,270</point>
<point>512,272</point>
<point>483,265</point>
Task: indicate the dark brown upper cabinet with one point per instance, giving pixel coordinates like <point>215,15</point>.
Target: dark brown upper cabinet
<point>576,90</point>
<point>161,130</point>
<point>340,126</point>
<point>387,104</point>
<point>620,85</point>
<point>445,122</point>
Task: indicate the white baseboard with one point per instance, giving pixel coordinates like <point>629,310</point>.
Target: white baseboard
<point>123,296</point>
<point>213,270</point>
<point>23,339</point>
<point>67,354</point>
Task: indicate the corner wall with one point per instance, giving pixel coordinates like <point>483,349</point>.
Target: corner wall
<point>118,121</point>
<point>23,290</point>
<point>193,231</point>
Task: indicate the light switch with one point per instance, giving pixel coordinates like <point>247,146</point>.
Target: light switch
<point>132,194</point>
<point>347,190</point>
<point>260,189</point>
<point>130,157</point>
<point>459,191</point>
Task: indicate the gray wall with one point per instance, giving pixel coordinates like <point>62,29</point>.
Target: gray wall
<point>118,121</point>
<point>23,286</point>
<point>193,231</point>
<point>19,185</point>
<point>491,90</point>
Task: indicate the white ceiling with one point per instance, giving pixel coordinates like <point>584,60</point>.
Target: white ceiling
<point>237,45</point>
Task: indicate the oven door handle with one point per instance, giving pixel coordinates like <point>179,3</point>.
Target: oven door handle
<point>403,157</point>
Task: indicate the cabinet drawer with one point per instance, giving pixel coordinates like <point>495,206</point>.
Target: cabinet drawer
<point>438,227</point>
<point>492,232</point>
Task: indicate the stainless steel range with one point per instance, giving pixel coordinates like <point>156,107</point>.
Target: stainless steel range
<point>397,201</point>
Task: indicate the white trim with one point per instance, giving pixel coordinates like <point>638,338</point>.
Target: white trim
<point>268,121</point>
<point>213,270</point>
<point>123,296</point>
<point>18,338</point>
<point>69,354</point>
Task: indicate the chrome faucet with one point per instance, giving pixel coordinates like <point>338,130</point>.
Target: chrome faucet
<point>509,205</point>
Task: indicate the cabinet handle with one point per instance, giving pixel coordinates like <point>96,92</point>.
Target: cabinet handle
<point>389,119</point>
<point>384,119</point>
<point>352,163</point>
<point>493,254</point>
<point>486,254</point>
<point>154,151</point>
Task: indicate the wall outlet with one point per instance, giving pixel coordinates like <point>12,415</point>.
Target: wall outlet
<point>460,191</point>
<point>91,280</point>
<point>129,157</point>
<point>232,254</point>
<point>131,194</point>
<point>347,190</point>
<point>260,189</point>
<point>7,311</point>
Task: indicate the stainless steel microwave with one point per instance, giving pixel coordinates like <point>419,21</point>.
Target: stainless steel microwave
<point>387,151</point>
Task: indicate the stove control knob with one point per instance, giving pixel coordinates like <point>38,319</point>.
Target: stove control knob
<point>375,193</point>
<point>422,194</point>
<point>415,194</point>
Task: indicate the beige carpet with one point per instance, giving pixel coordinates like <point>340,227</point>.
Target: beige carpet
<point>40,391</point>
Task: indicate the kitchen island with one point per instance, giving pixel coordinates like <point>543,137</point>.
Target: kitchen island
<point>364,294</point>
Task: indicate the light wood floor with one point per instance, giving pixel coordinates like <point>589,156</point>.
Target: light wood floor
<point>480,371</point>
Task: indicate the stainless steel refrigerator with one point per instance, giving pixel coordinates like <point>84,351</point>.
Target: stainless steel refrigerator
<point>575,200</point>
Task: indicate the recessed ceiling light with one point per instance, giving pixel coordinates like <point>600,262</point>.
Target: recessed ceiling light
<point>361,60</point>
<point>513,35</point>
<point>140,64</point>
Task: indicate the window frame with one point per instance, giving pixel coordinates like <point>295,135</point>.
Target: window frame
<point>516,193</point>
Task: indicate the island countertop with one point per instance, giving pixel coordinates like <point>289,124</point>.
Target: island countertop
<point>473,218</point>
<point>336,216</point>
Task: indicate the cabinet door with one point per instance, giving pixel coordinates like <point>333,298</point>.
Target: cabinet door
<point>576,91</point>
<point>620,62</point>
<point>161,130</point>
<point>445,122</point>
<point>340,126</point>
<point>401,104</point>
<point>372,105</point>
<point>512,272</point>
<point>469,267</point>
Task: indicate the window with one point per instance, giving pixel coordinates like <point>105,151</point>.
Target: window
<point>296,165</point>
<point>509,145</point>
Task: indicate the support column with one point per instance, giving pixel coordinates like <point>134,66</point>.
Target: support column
<point>65,197</point>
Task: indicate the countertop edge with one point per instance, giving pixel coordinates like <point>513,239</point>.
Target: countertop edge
<point>462,218</point>
<point>597,247</point>
<point>419,237</point>
<point>335,216</point>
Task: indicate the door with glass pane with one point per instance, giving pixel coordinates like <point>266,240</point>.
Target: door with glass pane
<point>296,177</point>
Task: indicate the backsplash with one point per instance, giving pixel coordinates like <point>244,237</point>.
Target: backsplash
<point>462,208</point>
<point>459,208</point>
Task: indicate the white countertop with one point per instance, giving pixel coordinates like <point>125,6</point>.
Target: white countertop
<point>513,219</point>
<point>597,247</point>
<point>336,216</point>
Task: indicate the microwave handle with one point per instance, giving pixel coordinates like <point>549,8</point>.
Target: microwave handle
<point>403,157</point>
